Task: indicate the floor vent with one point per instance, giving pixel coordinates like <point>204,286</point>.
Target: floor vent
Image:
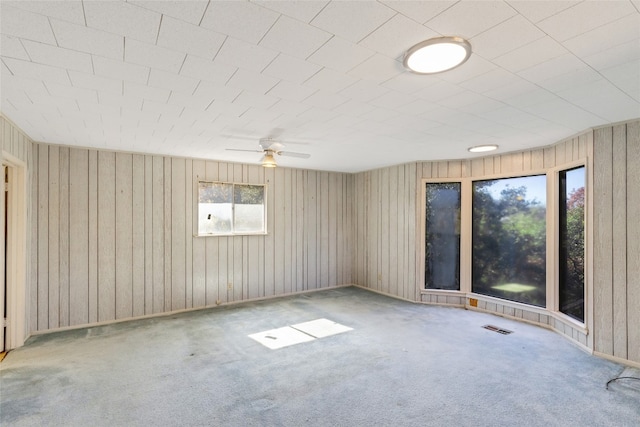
<point>498,330</point>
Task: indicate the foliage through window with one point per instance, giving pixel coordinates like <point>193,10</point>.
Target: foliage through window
<point>571,248</point>
<point>227,209</point>
<point>442,239</point>
<point>509,239</point>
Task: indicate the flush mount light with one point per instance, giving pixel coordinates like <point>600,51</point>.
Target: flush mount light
<point>268,161</point>
<point>483,148</point>
<point>437,55</point>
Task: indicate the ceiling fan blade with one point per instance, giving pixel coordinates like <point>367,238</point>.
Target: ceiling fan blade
<point>293,154</point>
<point>247,151</point>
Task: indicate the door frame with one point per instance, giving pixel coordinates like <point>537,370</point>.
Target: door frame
<point>16,254</point>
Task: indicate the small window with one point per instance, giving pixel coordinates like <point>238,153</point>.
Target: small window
<point>442,239</point>
<point>229,209</point>
<point>571,256</point>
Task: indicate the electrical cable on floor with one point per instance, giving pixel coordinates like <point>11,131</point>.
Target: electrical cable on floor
<point>621,378</point>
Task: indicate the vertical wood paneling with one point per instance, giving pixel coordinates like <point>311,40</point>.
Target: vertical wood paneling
<point>106,236</point>
<point>224,293</point>
<point>394,220</point>
<point>93,236</point>
<point>178,240</point>
<point>148,234</point>
<point>34,240</point>
<point>238,276</point>
<point>212,247</point>
<point>300,270</point>
<point>311,231</point>
<point>78,236</point>
<point>187,232</point>
<point>199,251</point>
<point>138,226</point>
<point>54,236</point>
<point>43,237</point>
<point>332,230</point>
<point>633,240</point>
<point>602,250</point>
<point>123,235</point>
<point>64,236</point>
<point>276,242</point>
<point>289,221</point>
<point>323,221</point>
<point>158,239</point>
<point>168,210</point>
<point>255,258</point>
<point>619,244</point>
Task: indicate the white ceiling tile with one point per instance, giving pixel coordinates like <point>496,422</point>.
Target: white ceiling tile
<point>192,39</point>
<point>318,115</point>
<point>578,77</point>
<point>204,69</point>
<point>536,10</point>
<point>242,20</point>
<point>260,115</point>
<point>118,100</point>
<point>326,100</point>
<point>124,19</point>
<point>396,36</point>
<point>146,92</point>
<point>289,107</point>
<point>603,99</point>
<point>393,100</point>
<point>534,97</point>
<point>90,81</point>
<point>67,91</point>
<point>493,43</point>
<point>67,10</point>
<point>377,69</point>
<point>120,70</point>
<point>555,67</point>
<point>354,108</point>
<point>417,107</point>
<point>470,18</point>
<point>507,91</point>
<point>340,55</point>
<point>489,81</point>
<point>250,99</point>
<point>13,22</point>
<point>615,56</point>
<point>58,57</point>
<point>227,108</point>
<point>419,11</point>
<point>302,10</point>
<point>352,20</point>
<point>162,79</point>
<point>216,91</point>
<point>89,40</point>
<point>566,114</point>
<point>461,99</point>
<point>329,80</point>
<point>152,56</point>
<point>438,91</point>
<point>238,53</point>
<point>154,108</point>
<point>254,82</point>
<point>291,69</point>
<point>584,17</point>
<point>474,67</point>
<point>607,37</point>
<point>190,11</point>
<point>409,82</point>
<point>531,54</point>
<point>294,38</point>
<point>33,71</point>
<point>199,102</point>
<point>626,77</point>
<point>363,91</point>
<point>13,48</point>
<point>290,91</point>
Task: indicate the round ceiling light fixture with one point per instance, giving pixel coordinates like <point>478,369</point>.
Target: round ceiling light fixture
<point>437,55</point>
<point>483,148</point>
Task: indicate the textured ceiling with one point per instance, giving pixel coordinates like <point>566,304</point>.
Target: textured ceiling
<point>192,78</point>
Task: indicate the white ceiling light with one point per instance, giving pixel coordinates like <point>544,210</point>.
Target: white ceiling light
<point>268,161</point>
<point>437,55</point>
<point>483,148</point>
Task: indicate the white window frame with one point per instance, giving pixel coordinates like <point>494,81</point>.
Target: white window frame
<point>232,232</point>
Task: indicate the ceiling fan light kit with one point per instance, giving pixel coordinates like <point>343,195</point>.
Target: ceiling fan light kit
<point>437,55</point>
<point>270,147</point>
<point>268,161</point>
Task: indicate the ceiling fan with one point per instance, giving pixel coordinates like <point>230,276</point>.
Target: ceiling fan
<point>271,147</point>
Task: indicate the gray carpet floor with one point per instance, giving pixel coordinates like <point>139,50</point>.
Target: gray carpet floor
<point>403,364</point>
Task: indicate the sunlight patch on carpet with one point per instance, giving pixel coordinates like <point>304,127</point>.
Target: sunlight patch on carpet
<point>299,333</point>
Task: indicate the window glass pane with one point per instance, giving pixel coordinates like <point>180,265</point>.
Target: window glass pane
<point>571,255</point>
<point>214,208</point>
<point>442,263</point>
<point>249,208</point>
<point>509,239</point>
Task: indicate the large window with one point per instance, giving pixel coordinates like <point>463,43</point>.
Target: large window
<point>509,239</point>
<point>227,209</point>
<point>442,262</point>
<point>571,247</point>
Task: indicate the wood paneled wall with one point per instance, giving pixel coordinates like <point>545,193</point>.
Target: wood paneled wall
<point>114,236</point>
<point>385,228</point>
<point>616,258</point>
